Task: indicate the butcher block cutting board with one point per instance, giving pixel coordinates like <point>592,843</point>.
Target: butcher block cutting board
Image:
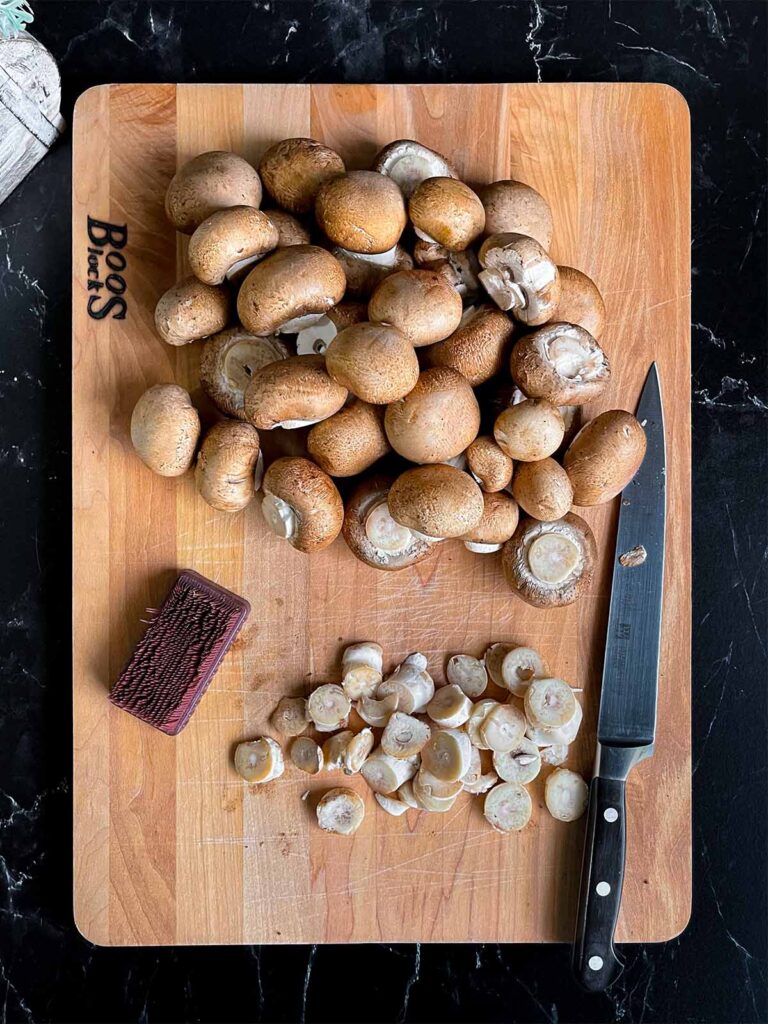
<point>170,845</point>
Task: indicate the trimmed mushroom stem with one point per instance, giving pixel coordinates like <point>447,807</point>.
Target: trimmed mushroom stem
<point>502,289</point>
<point>279,516</point>
<point>481,549</point>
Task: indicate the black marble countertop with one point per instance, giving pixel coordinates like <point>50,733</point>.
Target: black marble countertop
<point>714,52</point>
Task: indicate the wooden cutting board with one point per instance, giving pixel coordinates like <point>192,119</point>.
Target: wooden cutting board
<point>170,846</point>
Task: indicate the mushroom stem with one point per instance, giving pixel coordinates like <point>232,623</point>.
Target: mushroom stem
<point>481,549</point>
<point>279,515</point>
<point>502,289</point>
<point>299,323</point>
<point>384,533</point>
<point>316,338</point>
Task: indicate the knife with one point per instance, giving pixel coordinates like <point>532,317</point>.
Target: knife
<point>626,726</point>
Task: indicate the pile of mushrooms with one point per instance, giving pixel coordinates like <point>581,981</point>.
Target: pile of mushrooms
<point>420,747</point>
<point>413,338</point>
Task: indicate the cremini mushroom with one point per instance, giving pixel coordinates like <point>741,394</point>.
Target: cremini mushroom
<point>165,428</point>
<point>294,169</point>
<point>228,465</point>
<point>301,504</point>
<point>580,302</point>
<point>191,310</point>
<point>207,183</point>
<point>571,416</point>
<point>364,271</point>
<point>488,464</point>
<point>290,230</point>
<point>408,163</point>
<point>289,289</point>
<point>550,564</point>
<point>421,303</point>
<point>229,360</point>
<point>604,456</point>
<point>529,430</point>
<point>435,421</point>
<point>446,211</point>
<point>560,362</point>
<point>519,276</point>
<point>317,337</point>
<point>290,393</point>
<point>514,207</point>
<point>371,533</point>
<point>542,489</point>
<point>478,346</point>
<point>460,269</point>
<point>376,362</point>
<point>229,241</point>
<point>349,441</point>
<point>361,211</point>
<point>437,501</point>
<point>498,523</point>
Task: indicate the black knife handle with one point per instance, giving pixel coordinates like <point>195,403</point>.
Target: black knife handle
<point>595,963</point>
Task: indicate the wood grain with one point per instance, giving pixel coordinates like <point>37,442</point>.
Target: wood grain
<point>170,847</point>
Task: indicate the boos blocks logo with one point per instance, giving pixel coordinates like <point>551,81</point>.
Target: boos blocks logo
<point>106,264</point>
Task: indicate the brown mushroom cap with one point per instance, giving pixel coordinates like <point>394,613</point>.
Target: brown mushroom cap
<point>364,271</point>
<point>165,428</point>
<point>550,564</point>
<point>604,456</point>
<point>489,465</point>
<point>375,362</point>
<point>460,269</point>
<point>421,303</point>
<point>560,362</point>
<point>513,206</point>
<point>228,361</point>
<point>191,310</point>
<point>408,163</point>
<point>349,441</point>
<point>290,230</point>
<point>437,420</point>
<point>519,276</point>
<point>478,346</point>
<point>226,465</point>
<point>498,522</point>
<point>530,430</point>
<point>446,211</point>
<point>361,211</point>
<point>228,238</point>
<point>289,283</point>
<point>316,510</point>
<point>404,547</point>
<point>293,170</point>
<point>209,182</point>
<point>580,302</point>
<point>543,490</point>
<point>292,392</point>
<point>439,501</point>
<point>348,312</point>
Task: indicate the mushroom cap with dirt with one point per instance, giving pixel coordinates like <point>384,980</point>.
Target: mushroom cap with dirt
<point>437,501</point>
<point>228,361</point>
<point>437,420</point>
<point>514,207</point>
<point>550,564</point>
<point>408,163</point>
<point>207,183</point>
<point>498,523</point>
<point>371,533</point>
<point>489,465</point>
<point>478,346</point>
<point>290,230</point>
<point>290,288</point>
<point>294,169</point>
<point>364,271</point>
<point>301,504</point>
<point>530,430</point>
<point>542,489</point>
<point>228,465</point>
<point>376,362</point>
<point>560,362</point>
<point>349,441</point>
<point>520,277</point>
<point>421,303</point>
<point>446,211</point>
<point>580,302</point>
<point>165,428</point>
<point>293,392</point>
<point>228,241</point>
<point>604,456</point>
<point>191,310</point>
<point>361,211</point>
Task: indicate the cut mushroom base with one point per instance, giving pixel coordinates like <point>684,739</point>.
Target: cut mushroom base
<point>562,736</point>
<point>377,712</point>
<point>328,706</point>
<point>340,810</point>
<point>475,780</point>
<point>508,807</point>
<point>520,277</point>
<point>306,755</point>
<point>562,363</point>
<point>374,536</point>
<point>404,735</point>
<point>549,703</point>
<point>334,747</point>
<point>411,683</point>
<point>387,803</point>
<point>521,764</point>
<point>450,707</point>
<point>259,760</point>
<point>447,755</point>
<point>502,728</point>
<point>361,666</point>
<point>384,773</point>
<point>356,752</point>
<point>478,715</point>
<point>518,667</point>
<point>566,795</point>
<point>550,564</point>
<point>290,716</point>
<point>469,674</point>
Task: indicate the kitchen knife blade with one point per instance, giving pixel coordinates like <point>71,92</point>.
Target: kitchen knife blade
<point>626,726</point>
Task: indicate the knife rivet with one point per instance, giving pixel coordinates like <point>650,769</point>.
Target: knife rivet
<point>602,888</point>
<point>610,814</point>
<point>595,963</point>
